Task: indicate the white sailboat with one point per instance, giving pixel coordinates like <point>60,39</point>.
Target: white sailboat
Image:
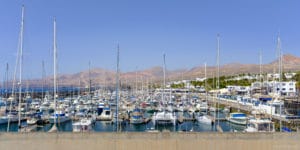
<point>54,128</point>
<point>205,118</point>
<point>164,117</point>
<point>12,117</point>
<point>116,118</point>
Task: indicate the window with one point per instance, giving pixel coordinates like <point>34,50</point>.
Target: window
<point>291,84</point>
<point>283,89</point>
<point>283,84</point>
<point>291,89</point>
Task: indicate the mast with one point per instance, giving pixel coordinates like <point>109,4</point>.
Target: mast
<point>43,76</point>
<point>279,62</point>
<point>16,68</point>
<point>205,83</point>
<point>280,74</point>
<point>6,80</point>
<point>54,67</point>
<point>164,72</point>
<point>21,61</point>
<point>260,72</point>
<point>136,82</point>
<point>218,71</point>
<point>117,90</point>
<point>90,81</point>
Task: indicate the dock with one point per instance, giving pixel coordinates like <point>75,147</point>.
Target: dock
<point>247,108</point>
<point>150,141</point>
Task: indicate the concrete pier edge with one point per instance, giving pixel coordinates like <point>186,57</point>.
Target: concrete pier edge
<point>145,141</point>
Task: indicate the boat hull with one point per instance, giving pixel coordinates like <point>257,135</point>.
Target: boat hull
<point>59,120</point>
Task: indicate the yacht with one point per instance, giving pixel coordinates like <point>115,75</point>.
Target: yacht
<point>136,117</point>
<point>31,121</point>
<point>12,118</point>
<point>204,119</point>
<point>60,116</point>
<point>106,114</point>
<point>164,118</point>
<point>260,125</point>
<point>84,125</point>
<point>237,118</point>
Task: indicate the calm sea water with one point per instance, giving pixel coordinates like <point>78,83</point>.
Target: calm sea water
<point>101,126</point>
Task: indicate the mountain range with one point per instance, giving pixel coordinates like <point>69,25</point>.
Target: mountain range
<point>100,76</point>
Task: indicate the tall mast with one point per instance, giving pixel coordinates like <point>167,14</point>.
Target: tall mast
<point>279,61</point>
<point>21,61</point>
<point>136,82</point>
<point>205,83</point>
<point>260,71</point>
<point>90,81</point>
<point>117,89</point>
<point>54,66</point>
<point>43,76</point>
<point>218,71</point>
<point>16,68</point>
<point>280,74</point>
<point>6,81</point>
<point>164,72</point>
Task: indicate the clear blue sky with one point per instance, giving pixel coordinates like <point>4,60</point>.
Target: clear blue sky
<point>89,30</point>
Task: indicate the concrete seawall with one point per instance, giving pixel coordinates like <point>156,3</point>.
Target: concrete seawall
<point>149,141</point>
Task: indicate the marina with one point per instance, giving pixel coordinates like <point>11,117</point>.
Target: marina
<point>149,75</point>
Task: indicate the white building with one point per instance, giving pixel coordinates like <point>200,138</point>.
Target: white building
<point>288,75</point>
<point>200,79</point>
<point>285,88</point>
<point>239,89</point>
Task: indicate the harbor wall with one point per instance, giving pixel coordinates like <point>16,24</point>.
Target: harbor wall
<point>149,141</point>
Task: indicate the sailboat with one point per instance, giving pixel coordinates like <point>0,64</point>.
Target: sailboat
<point>10,117</point>
<point>116,118</point>
<point>59,116</point>
<point>164,117</point>
<point>204,118</point>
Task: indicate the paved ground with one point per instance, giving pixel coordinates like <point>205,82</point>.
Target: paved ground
<point>149,141</point>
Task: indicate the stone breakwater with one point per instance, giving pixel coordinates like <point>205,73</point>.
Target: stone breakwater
<point>149,141</point>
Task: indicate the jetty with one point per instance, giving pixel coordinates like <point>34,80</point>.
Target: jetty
<point>150,141</point>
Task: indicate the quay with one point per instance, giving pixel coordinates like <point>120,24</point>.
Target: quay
<point>149,141</point>
<point>246,108</point>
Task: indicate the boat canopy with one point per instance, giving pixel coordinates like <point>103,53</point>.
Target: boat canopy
<point>265,98</point>
<point>238,115</point>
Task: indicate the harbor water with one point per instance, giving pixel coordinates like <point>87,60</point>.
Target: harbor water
<point>107,126</point>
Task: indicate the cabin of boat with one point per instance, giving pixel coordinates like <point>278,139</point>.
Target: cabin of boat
<point>84,125</point>
<point>164,118</point>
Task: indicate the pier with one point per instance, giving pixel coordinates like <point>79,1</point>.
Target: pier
<point>149,141</point>
<point>246,108</point>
